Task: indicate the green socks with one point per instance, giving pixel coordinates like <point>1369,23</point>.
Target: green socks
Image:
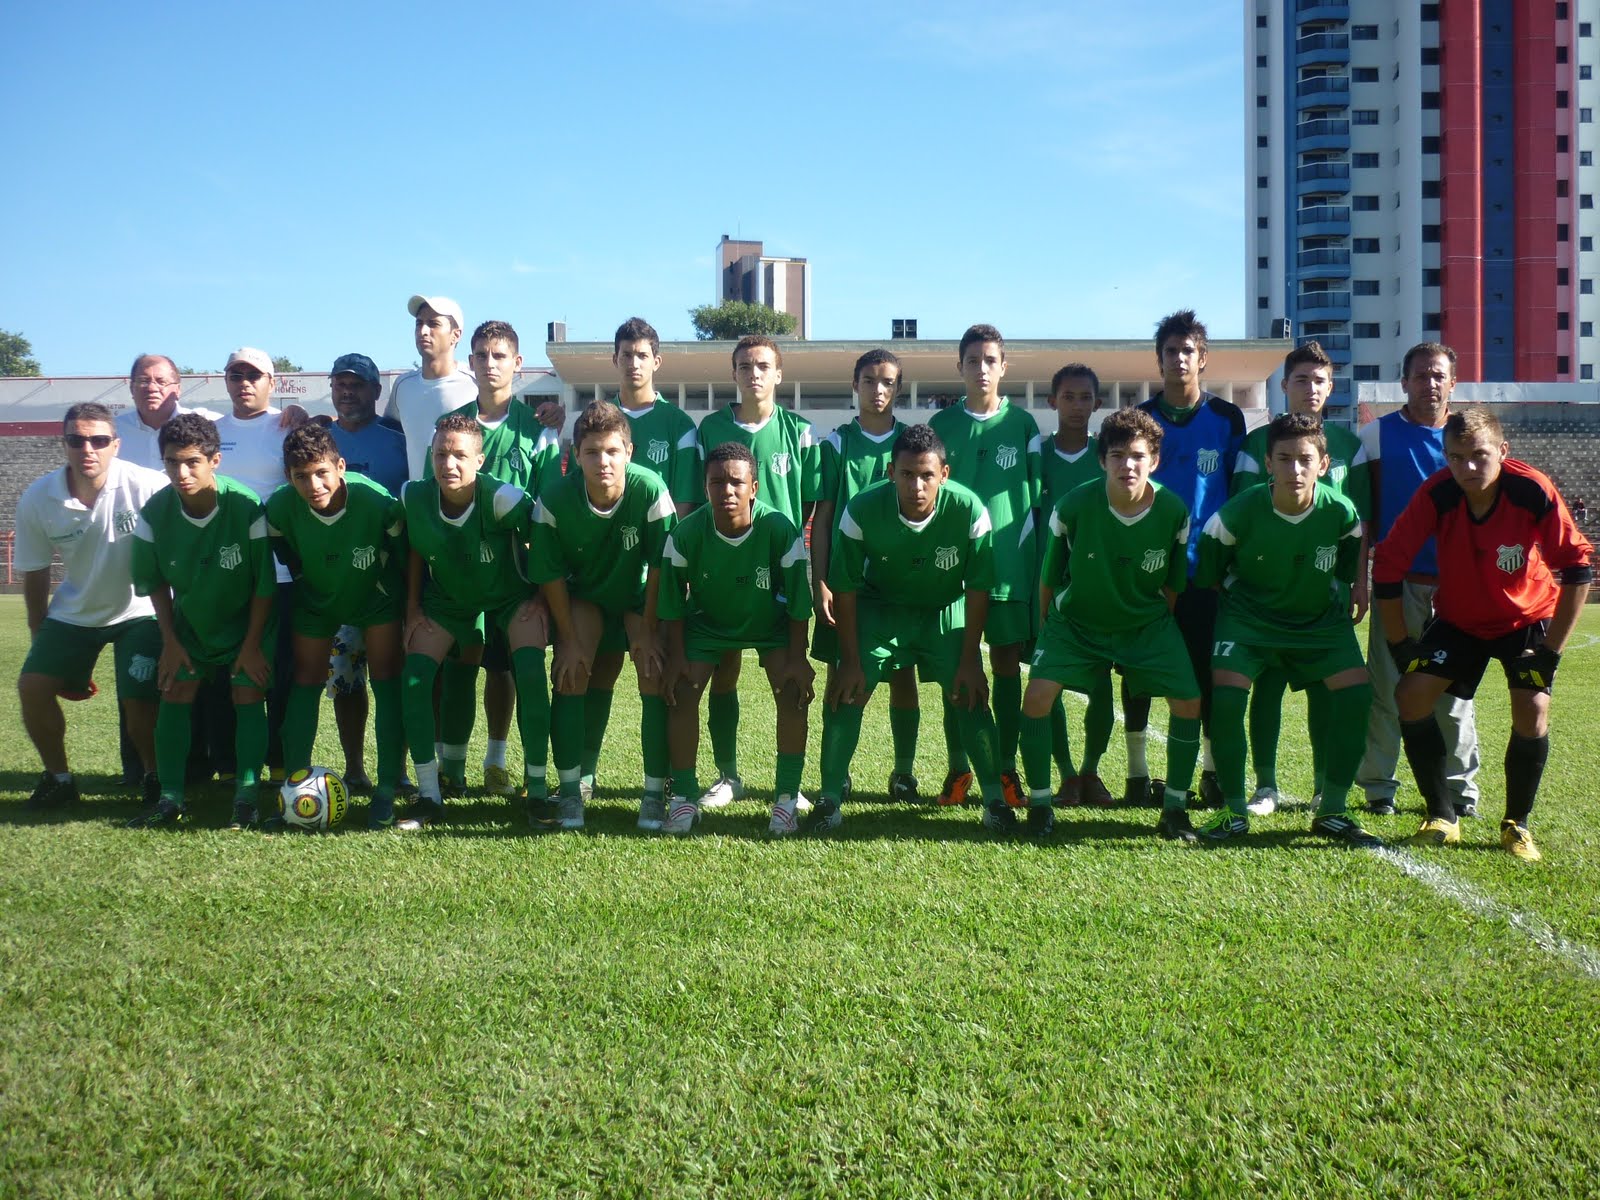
<point>416,705</point>
<point>903,726</point>
<point>722,720</point>
<point>790,768</point>
<point>1007,702</point>
<point>533,711</point>
<point>653,742</point>
<point>300,725</point>
<point>978,732</point>
<point>1035,738</point>
<point>1060,742</point>
<point>1266,724</point>
<point>249,745</point>
<point>1227,743</point>
<point>955,750</point>
<point>1183,749</point>
<point>1097,725</point>
<point>566,736</point>
<point>596,716</point>
<point>389,732</point>
<point>841,732</point>
<point>172,747</point>
<point>1346,741</point>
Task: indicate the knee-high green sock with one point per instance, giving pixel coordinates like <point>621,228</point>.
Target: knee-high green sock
<point>1060,740</point>
<point>173,734</point>
<point>566,735</point>
<point>300,725</point>
<point>787,780</point>
<point>1007,718</point>
<point>1034,739</point>
<point>978,734</point>
<point>533,714</point>
<point>1097,725</point>
<point>596,716</point>
<point>1183,748</point>
<point>955,748</point>
<point>416,705</point>
<point>1344,741</point>
<point>249,744</point>
<point>685,784</point>
<point>1319,715</point>
<point>389,732</point>
<point>841,731</point>
<point>1266,724</point>
<point>722,720</point>
<point>903,726</point>
<point>458,713</point>
<point>1227,743</point>
<point>653,748</point>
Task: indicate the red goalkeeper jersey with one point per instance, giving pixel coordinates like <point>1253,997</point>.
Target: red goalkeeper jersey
<point>1496,574</point>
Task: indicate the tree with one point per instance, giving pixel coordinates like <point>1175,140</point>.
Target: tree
<point>732,319</point>
<point>282,364</point>
<point>16,355</point>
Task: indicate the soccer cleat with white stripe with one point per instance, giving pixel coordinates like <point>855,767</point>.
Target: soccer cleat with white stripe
<point>784,821</point>
<point>723,792</point>
<point>682,814</point>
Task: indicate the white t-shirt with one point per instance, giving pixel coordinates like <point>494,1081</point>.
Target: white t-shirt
<point>252,454</point>
<point>96,544</point>
<point>418,403</point>
<point>139,444</point>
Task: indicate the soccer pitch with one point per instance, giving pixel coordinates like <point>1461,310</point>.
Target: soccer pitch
<point>910,1008</point>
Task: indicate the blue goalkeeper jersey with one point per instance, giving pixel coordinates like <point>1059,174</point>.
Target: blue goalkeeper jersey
<point>1197,458</point>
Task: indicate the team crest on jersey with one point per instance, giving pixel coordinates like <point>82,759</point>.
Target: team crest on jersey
<point>1324,559</point>
<point>630,536</point>
<point>1509,559</point>
<point>362,557</point>
<point>658,450</point>
<point>780,463</point>
<point>1154,560</point>
<point>1206,461</point>
<point>764,578</point>
<point>946,557</point>
<point>1336,474</point>
<point>1005,457</point>
<point>126,521</point>
<point>142,668</point>
<point>230,557</point>
<point>485,552</point>
<point>517,461</point>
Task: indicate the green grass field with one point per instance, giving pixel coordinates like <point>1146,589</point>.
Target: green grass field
<point>910,1009</point>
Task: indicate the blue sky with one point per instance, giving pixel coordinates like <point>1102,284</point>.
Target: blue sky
<point>188,178</point>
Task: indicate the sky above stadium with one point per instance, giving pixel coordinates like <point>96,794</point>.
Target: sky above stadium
<point>187,178</point>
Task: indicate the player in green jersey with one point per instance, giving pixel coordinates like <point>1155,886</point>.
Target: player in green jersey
<point>341,536</point>
<point>733,577</point>
<point>1307,384</point>
<point>994,449</point>
<point>596,555</point>
<point>201,554</point>
<point>786,473</point>
<point>464,529</point>
<point>1115,557</point>
<point>911,575</point>
<point>1284,558</point>
<point>1069,459</point>
<point>851,458</point>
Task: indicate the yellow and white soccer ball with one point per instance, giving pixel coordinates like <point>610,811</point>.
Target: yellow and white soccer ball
<point>313,799</point>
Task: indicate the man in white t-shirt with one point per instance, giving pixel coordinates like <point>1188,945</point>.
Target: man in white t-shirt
<point>153,384</point>
<point>441,385</point>
<point>85,511</point>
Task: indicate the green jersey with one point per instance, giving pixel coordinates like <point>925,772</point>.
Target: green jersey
<point>215,565</point>
<point>1062,471</point>
<point>998,458</point>
<point>1250,468</point>
<point>747,589</point>
<point>471,557</point>
<point>1104,571</point>
<point>849,461</point>
<point>931,564</point>
<point>665,441</point>
<point>1285,572</point>
<point>604,557</point>
<point>786,456</point>
<point>518,450</point>
<point>345,564</point>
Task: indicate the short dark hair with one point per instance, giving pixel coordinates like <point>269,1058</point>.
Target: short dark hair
<point>190,429</point>
<point>1123,427</point>
<point>496,329</point>
<point>979,333</point>
<point>599,418</point>
<point>731,452</point>
<point>1472,421</point>
<point>1181,324</point>
<point>636,329</point>
<point>144,358</point>
<point>753,341</point>
<point>308,444</point>
<point>457,422</point>
<point>1428,350</point>
<point>918,440</point>
<point>1311,353</point>
<point>88,410</point>
<point>1291,427</point>
<point>874,358</point>
<point>1075,370</point>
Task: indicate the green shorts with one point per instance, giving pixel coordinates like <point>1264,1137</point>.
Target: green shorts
<point>204,666</point>
<point>1153,659</point>
<point>825,642</point>
<point>379,610</point>
<point>703,645</point>
<point>892,636</point>
<point>470,629</point>
<point>1305,655</point>
<point>1010,622</point>
<point>68,653</point>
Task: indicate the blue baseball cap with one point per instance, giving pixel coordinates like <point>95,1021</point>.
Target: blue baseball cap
<point>356,364</point>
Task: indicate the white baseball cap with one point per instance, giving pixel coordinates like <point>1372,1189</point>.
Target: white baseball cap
<point>442,305</point>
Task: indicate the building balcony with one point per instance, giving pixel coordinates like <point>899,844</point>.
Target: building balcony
<point>1322,49</point>
<point>1322,264</point>
<point>1322,220</point>
<point>1333,343</point>
<point>1322,10</point>
<point>1326,133</point>
<point>1332,178</point>
<point>1322,91</point>
<point>1324,304</point>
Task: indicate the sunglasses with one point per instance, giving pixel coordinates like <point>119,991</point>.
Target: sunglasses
<point>244,376</point>
<point>98,440</point>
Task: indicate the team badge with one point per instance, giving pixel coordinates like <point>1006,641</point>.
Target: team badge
<point>1336,474</point>
<point>1206,461</point>
<point>230,557</point>
<point>485,552</point>
<point>127,521</point>
<point>1154,560</point>
<point>946,557</point>
<point>362,557</point>
<point>1324,559</point>
<point>517,461</point>
<point>142,668</point>
<point>630,536</point>
<point>658,450</point>
<point>1509,559</point>
<point>1005,457</point>
<point>780,463</point>
<point>764,578</point>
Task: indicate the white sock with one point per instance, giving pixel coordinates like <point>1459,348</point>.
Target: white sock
<point>453,753</point>
<point>654,785</point>
<point>1137,767</point>
<point>62,776</point>
<point>428,781</point>
<point>1207,763</point>
<point>495,755</point>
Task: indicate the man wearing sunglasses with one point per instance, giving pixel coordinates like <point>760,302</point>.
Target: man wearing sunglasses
<point>85,511</point>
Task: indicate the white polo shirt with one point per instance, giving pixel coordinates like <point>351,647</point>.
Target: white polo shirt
<point>252,454</point>
<point>418,403</point>
<point>96,544</point>
<point>139,441</point>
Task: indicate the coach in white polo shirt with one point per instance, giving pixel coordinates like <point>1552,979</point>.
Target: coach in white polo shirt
<point>419,398</point>
<point>86,511</point>
<point>154,384</point>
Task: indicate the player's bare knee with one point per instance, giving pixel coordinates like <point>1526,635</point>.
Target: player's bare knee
<point>1185,710</point>
<point>1038,699</point>
<point>35,689</point>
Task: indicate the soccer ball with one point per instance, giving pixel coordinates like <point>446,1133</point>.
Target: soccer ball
<point>313,799</point>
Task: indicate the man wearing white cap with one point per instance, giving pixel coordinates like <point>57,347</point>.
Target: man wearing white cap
<point>441,385</point>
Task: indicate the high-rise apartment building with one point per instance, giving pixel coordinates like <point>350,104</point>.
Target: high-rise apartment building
<point>744,272</point>
<point>1426,172</point>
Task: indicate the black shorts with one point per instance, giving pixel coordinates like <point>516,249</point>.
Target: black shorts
<point>1454,654</point>
<point>496,649</point>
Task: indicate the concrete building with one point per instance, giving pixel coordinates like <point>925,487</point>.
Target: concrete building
<point>1426,172</point>
<point>745,273</point>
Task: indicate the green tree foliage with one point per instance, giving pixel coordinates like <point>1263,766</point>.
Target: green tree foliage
<point>282,364</point>
<point>732,319</point>
<point>16,355</point>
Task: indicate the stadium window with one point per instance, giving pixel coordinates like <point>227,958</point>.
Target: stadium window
<point>1364,245</point>
<point>1364,287</point>
<point>1261,262</point>
<point>1365,373</point>
<point>1561,99</point>
<point>1585,116</point>
<point>1561,187</point>
<point>1562,143</point>
<point>1430,322</point>
<point>1261,301</point>
<point>1586,371</point>
<point>1261,181</point>
<point>1430,12</point>
<point>1430,56</point>
<point>1261,21</point>
<point>1585,328</point>
<point>1563,277</point>
<point>1430,143</point>
<point>1261,101</point>
<point>1584,29</point>
<point>1430,233</point>
<point>1261,141</point>
<point>1585,71</point>
<point>1365,330</point>
<point>1261,222</point>
<point>1561,55</point>
<point>1586,201</point>
<point>1563,364</point>
<point>1430,100</point>
<point>1586,242</point>
<point>1364,203</point>
<point>1563,321</point>
<point>1563,233</point>
<point>1363,33</point>
<point>1561,10</point>
<point>1585,287</point>
<point>1363,116</point>
<point>1430,189</point>
<point>1586,158</point>
<point>1366,159</point>
<point>1364,75</point>
<point>1431,276</point>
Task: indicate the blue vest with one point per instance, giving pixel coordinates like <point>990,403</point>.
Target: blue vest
<point>1407,454</point>
<point>1197,459</point>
